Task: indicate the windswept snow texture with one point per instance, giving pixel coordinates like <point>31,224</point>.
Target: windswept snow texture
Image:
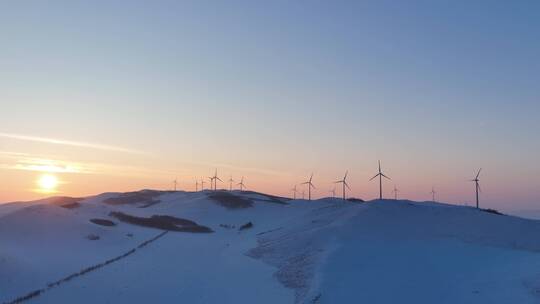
<point>295,251</point>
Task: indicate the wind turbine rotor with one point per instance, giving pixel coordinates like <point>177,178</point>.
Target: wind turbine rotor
<point>374,176</point>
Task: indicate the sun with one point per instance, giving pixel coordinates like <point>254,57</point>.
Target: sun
<point>47,183</point>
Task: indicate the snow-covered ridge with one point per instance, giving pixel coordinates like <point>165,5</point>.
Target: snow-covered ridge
<point>288,251</point>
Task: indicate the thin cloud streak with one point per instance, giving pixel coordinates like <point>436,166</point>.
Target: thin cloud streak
<point>30,162</point>
<point>68,143</point>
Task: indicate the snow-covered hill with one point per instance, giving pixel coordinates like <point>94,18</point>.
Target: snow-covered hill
<point>246,247</point>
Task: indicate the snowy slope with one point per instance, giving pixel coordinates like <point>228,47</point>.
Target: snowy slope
<point>324,251</point>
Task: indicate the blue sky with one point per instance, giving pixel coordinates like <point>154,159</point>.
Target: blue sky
<point>276,90</point>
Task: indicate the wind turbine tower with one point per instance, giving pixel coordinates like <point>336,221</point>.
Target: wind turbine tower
<point>395,191</point>
<point>433,194</point>
<point>380,175</point>
<point>214,179</point>
<point>241,184</point>
<point>476,181</point>
<point>294,191</point>
<point>230,183</point>
<point>310,184</point>
<point>344,184</point>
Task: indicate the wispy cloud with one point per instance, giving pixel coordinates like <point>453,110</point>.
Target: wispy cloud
<point>47,165</point>
<point>32,162</point>
<point>68,143</point>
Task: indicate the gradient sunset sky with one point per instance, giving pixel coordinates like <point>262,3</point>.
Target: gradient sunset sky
<point>124,95</point>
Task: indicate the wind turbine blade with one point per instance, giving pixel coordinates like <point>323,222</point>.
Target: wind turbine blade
<point>477,175</point>
<point>304,183</point>
<point>346,173</point>
<point>347,185</point>
<point>311,178</point>
<point>386,176</point>
<point>219,179</point>
<point>479,189</point>
<point>374,177</point>
<point>338,182</point>
<point>312,185</point>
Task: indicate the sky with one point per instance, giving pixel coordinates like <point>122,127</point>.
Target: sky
<point>125,95</point>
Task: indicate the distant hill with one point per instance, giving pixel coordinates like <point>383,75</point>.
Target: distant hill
<point>249,247</point>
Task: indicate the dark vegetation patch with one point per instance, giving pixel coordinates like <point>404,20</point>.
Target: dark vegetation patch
<point>492,211</point>
<point>92,237</point>
<point>227,226</point>
<point>84,271</point>
<point>66,201</point>
<point>246,226</point>
<point>355,200</point>
<point>268,231</point>
<point>164,222</point>
<point>103,222</point>
<point>270,198</point>
<point>230,201</point>
<point>144,198</point>
<point>71,205</point>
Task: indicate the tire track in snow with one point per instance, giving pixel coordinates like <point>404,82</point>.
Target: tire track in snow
<point>38,292</point>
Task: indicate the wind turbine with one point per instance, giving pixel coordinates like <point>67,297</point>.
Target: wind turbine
<point>202,184</point>
<point>433,193</point>
<point>344,182</point>
<point>230,183</point>
<point>214,179</point>
<point>211,182</point>
<point>294,191</point>
<point>196,185</point>
<point>241,184</point>
<point>310,184</point>
<point>380,175</point>
<point>395,191</point>
<point>476,180</point>
<point>303,194</point>
<point>175,182</point>
<point>333,191</point>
